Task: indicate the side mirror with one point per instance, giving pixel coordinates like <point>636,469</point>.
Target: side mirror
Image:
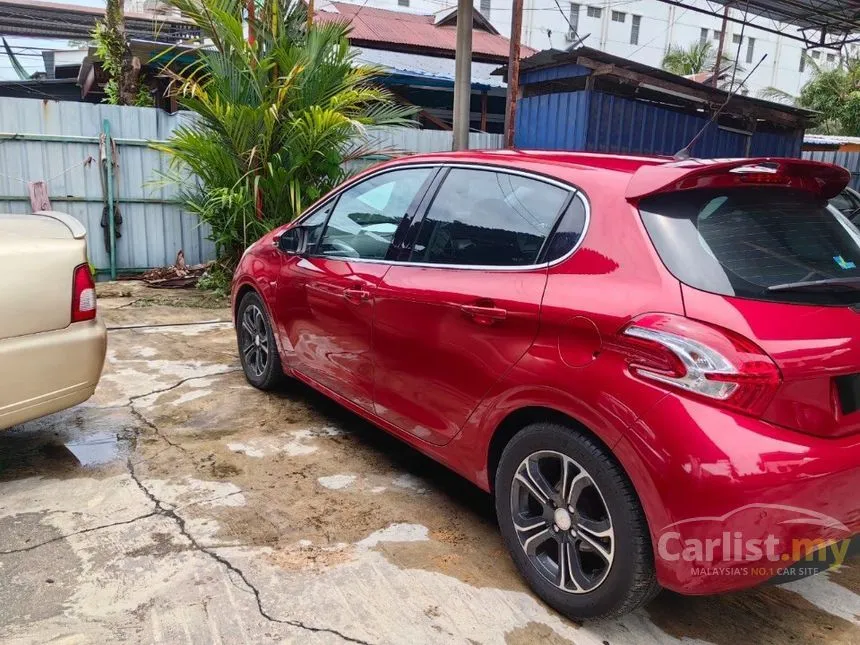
<point>292,241</point>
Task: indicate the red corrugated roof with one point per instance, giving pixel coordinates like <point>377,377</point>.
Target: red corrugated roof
<point>408,29</point>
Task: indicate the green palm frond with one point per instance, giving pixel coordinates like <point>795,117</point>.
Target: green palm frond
<point>276,119</point>
<point>700,57</point>
<point>777,95</point>
<point>22,73</point>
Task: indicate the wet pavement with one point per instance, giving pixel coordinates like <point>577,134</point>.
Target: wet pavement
<point>179,505</point>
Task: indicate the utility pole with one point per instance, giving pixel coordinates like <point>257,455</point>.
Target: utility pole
<point>513,73</point>
<point>463,75</point>
<point>715,79</point>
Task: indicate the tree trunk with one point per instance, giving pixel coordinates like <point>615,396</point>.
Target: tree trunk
<point>128,79</point>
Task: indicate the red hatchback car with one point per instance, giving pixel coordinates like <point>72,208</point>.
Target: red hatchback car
<point>653,366</point>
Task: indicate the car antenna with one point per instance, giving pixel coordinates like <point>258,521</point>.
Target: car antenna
<point>684,153</point>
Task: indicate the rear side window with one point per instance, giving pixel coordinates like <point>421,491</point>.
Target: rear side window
<point>765,243</point>
<point>846,201</point>
<point>569,231</point>
<point>487,218</point>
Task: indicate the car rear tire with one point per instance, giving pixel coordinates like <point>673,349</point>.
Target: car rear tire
<point>573,523</point>
<point>256,341</point>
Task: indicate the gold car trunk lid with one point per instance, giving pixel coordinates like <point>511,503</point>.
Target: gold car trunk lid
<point>38,255</point>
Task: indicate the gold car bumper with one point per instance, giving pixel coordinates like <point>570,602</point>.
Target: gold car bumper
<point>50,371</point>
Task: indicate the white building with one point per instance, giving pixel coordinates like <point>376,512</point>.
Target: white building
<point>644,29</point>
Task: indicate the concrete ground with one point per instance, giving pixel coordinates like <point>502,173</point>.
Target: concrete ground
<point>179,505</point>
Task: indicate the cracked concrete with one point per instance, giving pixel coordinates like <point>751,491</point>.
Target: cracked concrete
<point>179,505</point>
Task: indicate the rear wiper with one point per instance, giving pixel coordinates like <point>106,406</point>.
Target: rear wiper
<point>828,284</point>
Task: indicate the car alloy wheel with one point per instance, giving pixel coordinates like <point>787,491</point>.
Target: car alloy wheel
<point>254,340</point>
<point>562,521</point>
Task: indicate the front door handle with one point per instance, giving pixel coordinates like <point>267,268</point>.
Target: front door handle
<point>484,315</point>
<point>356,295</point>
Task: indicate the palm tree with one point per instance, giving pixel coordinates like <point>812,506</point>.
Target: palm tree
<point>276,118</point>
<point>696,58</point>
<point>834,92</point>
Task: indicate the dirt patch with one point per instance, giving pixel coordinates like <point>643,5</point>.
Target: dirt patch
<point>766,616</point>
<point>848,575</point>
<point>310,557</point>
<point>133,303</point>
<point>135,293</point>
<point>487,566</point>
<point>277,449</point>
<point>535,633</point>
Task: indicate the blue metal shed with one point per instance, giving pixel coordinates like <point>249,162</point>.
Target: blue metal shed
<point>589,100</point>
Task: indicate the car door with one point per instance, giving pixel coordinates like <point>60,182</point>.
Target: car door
<point>326,294</point>
<point>450,321</point>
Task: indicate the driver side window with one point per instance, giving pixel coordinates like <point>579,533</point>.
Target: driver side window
<point>367,215</point>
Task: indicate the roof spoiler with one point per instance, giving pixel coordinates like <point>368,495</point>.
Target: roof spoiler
<point>823,179</point>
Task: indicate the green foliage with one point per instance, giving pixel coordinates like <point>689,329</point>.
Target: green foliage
<point>217,279</point>
<point>113,50</point>
<point>276,119</point>
<point>698,57</point>
<point>22,73</point>
<point>834,92</point>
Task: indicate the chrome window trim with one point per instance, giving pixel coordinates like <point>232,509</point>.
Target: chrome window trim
<point>577,194</point>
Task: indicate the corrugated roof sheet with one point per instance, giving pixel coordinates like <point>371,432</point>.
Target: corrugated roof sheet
<point>830,139</point>
<point>428,66</point>
<point>410,29</point>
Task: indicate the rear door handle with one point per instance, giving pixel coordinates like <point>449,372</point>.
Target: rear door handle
<point>356,295</point>
<point>484,315</point>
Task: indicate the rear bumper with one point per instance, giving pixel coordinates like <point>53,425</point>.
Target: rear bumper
<point>47,372</point>
<point>733,501</point>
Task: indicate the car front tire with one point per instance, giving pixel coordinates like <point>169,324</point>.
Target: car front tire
<point>258,352</point>
<point>573,523</point>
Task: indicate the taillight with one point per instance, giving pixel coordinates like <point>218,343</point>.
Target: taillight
<point>701,360</point>
<point>83,294</point>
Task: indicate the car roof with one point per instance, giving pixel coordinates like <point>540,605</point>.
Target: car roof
<point>641,175</point>
<point>561,158</point>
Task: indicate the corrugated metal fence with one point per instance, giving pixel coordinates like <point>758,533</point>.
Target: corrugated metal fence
<point>50,141</point>
<point>850,160</point>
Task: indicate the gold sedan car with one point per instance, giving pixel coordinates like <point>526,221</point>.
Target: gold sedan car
<point>52,346</point>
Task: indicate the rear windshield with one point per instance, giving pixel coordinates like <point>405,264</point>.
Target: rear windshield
<point>741,241</point>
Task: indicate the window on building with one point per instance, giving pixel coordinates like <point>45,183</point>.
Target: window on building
<point>402,3</point>
<point>750,49</point>
<point>703,36</point>
<point>634,29</point>
<point>717,34</point>
<point>831,58</point>
<point>573,19</point>
<point>816,55</point>
<point>485,8</point>
<point>594,12</point>
<point>803,56</point>
<point>618,16</point>
<point>736,39</point>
